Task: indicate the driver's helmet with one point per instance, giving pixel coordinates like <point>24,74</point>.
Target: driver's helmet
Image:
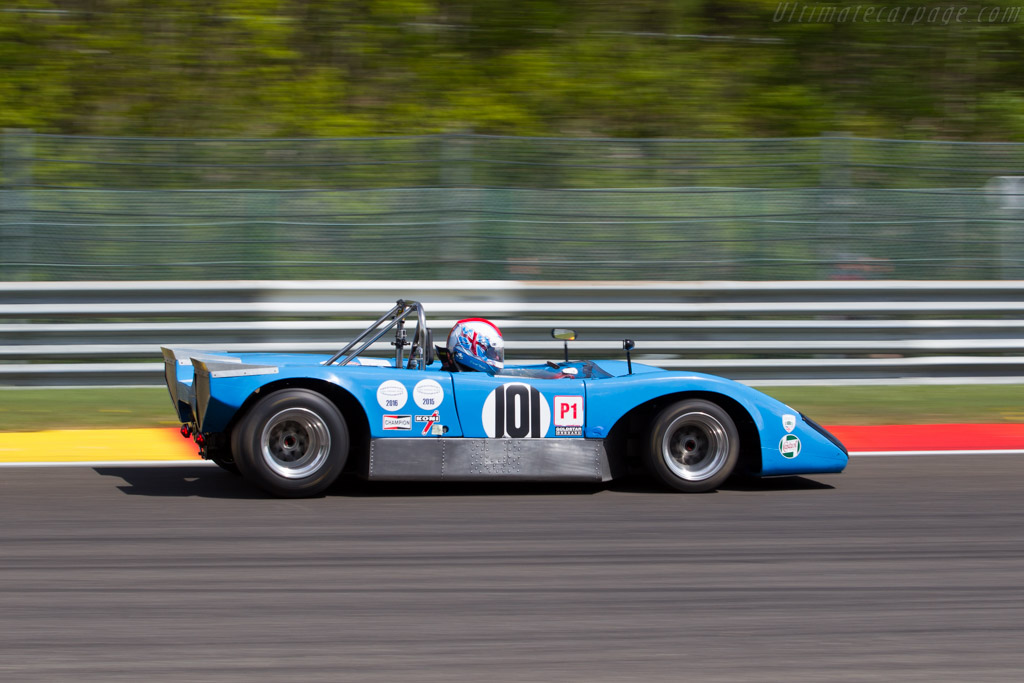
<point>476,344</point>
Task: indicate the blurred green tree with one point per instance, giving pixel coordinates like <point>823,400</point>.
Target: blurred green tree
<point>642,68</point>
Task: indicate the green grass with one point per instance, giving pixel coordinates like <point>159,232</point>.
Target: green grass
<point>38,409</point>
<point>29,410</point>
<point>911,404</point>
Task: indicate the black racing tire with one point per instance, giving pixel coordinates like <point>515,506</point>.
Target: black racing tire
<point>292,444</point>
<point>694,446</point>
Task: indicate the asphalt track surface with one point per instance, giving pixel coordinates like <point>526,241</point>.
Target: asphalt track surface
<point>901,569</point>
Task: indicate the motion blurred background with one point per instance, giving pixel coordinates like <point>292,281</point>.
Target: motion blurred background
<point>544,140</point>
<point>825,206</point>
<point>512,140</point>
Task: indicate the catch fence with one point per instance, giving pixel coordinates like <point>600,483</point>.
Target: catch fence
<point>505,208</point>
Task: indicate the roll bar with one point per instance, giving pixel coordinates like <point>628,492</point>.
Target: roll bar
<point>398,313</point>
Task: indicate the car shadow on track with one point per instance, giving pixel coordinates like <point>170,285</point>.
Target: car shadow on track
<point>181,482</point>
<point>352,486</point>
<point>359,488</point>
<point>787,483</point>
<point>212,482</point>
<point>642,484</point>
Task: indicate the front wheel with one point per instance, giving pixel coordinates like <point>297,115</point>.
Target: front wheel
<point>694,446</point>
<point>293,443</point>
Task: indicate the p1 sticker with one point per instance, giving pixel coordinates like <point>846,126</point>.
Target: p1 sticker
<point>398,422</point>
<point>428,394</point>
<point>516,410</point>
<point>790,446</point>
<point>568,416</point>
<point>392,395</point>
<point>788,422</point>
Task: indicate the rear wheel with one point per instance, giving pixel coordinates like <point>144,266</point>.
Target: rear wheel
<point>293,443</point>
<point>694,446</point>
<point>226,463</point>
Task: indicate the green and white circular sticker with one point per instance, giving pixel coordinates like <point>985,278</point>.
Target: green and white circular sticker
<point>790,446</point>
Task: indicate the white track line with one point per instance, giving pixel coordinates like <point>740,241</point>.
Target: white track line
<point>205,463</point>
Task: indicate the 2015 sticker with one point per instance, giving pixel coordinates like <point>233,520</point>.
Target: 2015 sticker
<point>428,394</point>
<point>392,395</point>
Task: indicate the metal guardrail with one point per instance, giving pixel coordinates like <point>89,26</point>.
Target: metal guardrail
<point>102,333</point>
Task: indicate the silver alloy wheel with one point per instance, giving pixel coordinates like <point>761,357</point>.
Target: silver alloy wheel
<point>295,443</point>
<point>695,446</point>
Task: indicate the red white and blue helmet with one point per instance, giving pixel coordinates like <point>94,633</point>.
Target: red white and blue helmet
<point>477,344</point>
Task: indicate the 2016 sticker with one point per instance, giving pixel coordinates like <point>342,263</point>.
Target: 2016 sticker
<point>392,395</point>
<point>516,410</point>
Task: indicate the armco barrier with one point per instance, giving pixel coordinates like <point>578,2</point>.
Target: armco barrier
<point>96,333</point>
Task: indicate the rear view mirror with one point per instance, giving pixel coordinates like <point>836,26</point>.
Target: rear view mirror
<point>566,336</point>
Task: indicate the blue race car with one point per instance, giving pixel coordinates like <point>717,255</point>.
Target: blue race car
<point>292,423</point>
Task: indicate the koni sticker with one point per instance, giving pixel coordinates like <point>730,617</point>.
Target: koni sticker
<point>789,446</point>
<point>431,420</point>
<point>516,410</point>
<point>428,394</point>
<point>392,395</point>
<point>398,422</point>
<point>788,422</point>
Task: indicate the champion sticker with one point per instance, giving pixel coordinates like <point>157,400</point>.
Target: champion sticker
<point>516,410</point>
<point>788,422</point>
<point>790,446</point>
<point>427,394</point>
<point>392,395</point>
<point>398,422</point>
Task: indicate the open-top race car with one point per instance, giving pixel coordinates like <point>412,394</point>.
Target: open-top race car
<point>292,423</point>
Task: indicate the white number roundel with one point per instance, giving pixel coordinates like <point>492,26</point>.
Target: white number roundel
<point>517,411</point>
<point>428,394</point>
<point>392,395</point>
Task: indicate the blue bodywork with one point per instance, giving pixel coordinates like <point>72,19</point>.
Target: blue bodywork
<point>575,400</point>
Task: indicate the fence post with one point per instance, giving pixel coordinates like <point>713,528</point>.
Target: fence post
<point>835,185</point>
<point>457,181</point>
<point>1008,191</point>
<point>15,203</point>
